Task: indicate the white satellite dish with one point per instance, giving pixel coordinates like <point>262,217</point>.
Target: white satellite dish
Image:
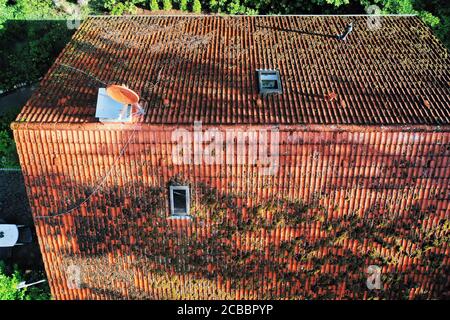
<point>110,110</point>
<point>115,104</point>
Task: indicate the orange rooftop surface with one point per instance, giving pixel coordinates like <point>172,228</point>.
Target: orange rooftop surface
<point>192,68</point>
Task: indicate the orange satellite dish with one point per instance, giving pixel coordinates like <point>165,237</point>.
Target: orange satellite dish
<point>122,94</point>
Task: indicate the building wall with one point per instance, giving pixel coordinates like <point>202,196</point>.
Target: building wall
<point>339,202</point>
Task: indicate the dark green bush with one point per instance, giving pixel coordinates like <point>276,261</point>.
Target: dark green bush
<point>29,47</point>
<point>9,282</point>
<point>119,7</point>
<point>8,155</point>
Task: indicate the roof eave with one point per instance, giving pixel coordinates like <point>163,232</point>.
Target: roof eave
<point>282,127</point>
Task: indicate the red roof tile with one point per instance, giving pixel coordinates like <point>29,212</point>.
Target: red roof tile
<point>340,202</point>
<point>204,68</point>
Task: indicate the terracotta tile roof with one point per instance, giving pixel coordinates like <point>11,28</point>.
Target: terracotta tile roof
<point>397,184</point>
<point>204,68</point>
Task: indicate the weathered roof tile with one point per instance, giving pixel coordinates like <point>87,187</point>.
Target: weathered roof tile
<point>204,68</point>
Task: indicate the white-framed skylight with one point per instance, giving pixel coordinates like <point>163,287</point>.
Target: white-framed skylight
<point>269,81</point>
<point>180,201</point>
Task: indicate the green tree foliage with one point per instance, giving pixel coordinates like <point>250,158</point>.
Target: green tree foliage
<point>167,5</point>
<point>435,13</point>
<point>235,7</point>
<point>336,3</point>
<point>8,154</point>
<point>5,12</point>
<point>32,9</point>
<point>154,6</point>
<point>197,6</point>
<point>37,44</point>
<point>8,284</point>
<point>26,9</point>
<point>213,5</point>
<point>183,5</point>
<point>440,9</point>
<point>240,7</point>
<point>9,291</point>
<point>403,7</point>
<point>119,7</point>
<point>37,39</point>
<point>8,158</point>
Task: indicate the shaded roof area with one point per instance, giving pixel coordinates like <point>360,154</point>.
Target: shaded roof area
<point>203,68</point>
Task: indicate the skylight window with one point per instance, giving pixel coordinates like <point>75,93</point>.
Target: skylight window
<point>179,201</point>
<point>269,81</point>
